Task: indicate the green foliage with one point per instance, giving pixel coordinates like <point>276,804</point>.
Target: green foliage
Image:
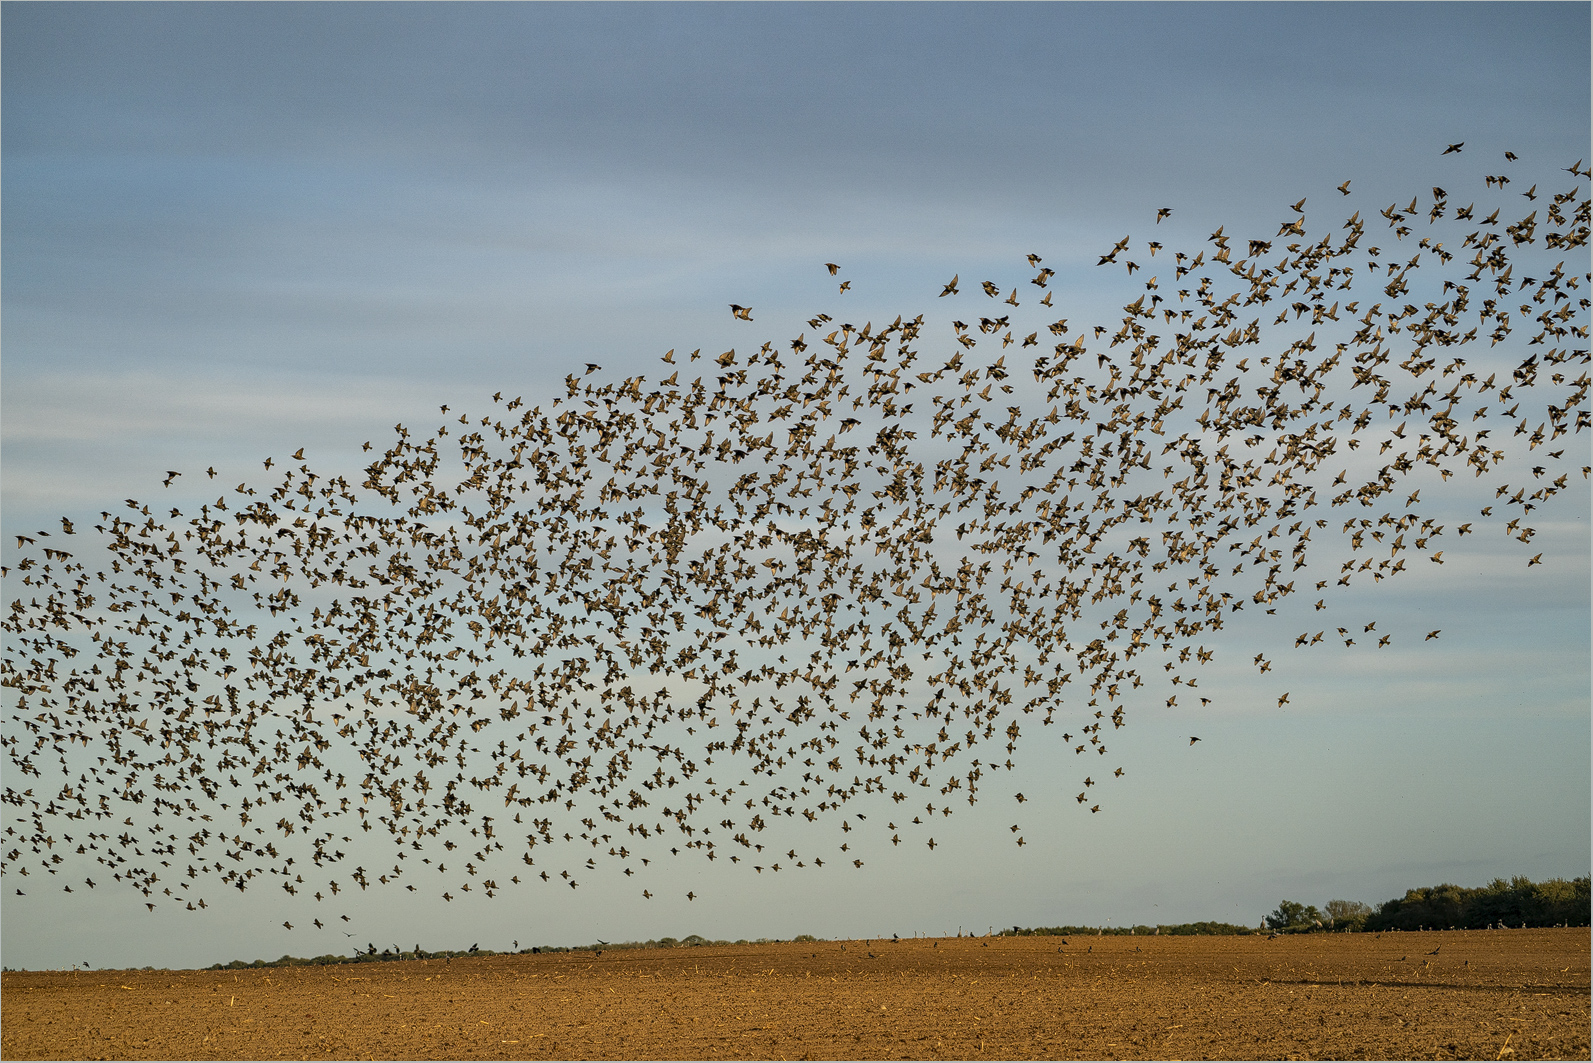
<point>1346,915</point>
<point>1206,927</point>
<point>1518,902</point>
<point>1291,915</point>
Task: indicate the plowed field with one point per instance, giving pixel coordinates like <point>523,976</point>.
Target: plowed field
<point>1513,994</point>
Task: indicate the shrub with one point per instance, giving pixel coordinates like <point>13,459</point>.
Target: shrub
<point>1346,915</point>
<point>1292,915</point>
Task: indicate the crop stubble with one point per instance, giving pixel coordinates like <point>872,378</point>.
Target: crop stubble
<point>1522,993</point>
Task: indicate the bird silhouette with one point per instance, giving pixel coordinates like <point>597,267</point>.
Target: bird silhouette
<point>638,621</point>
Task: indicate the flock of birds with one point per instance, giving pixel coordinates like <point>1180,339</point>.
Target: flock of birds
<point>838,578</point>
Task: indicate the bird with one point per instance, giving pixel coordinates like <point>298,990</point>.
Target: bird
<point>532,620</point>
<point>742,312</point>
<point>832,267</point>
<point>1453,148</point>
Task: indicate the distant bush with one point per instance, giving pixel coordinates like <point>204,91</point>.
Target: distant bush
<point>330,959</point>
<point>1207,928</point>
<point>1346,915</point>
<point>1518,902</point>
<point>1181,929</point>
<point>1294,916</point>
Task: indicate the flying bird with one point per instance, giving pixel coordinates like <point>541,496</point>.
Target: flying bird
<point>635,606</point>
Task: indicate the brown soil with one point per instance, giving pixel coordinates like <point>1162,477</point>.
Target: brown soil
<point>1513,994</point>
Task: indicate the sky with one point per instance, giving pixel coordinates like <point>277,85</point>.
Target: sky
<point>234,230</point>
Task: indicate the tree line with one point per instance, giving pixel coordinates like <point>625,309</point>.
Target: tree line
<point>1518,902</point>
<point>1512,903</point>
<point>1112,931</point>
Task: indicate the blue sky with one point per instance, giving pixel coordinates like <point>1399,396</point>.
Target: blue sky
<point>233,230</point>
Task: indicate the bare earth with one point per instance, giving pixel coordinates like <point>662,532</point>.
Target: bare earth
<point>1513,994</point>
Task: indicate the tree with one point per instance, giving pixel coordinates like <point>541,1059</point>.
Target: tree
<point>1344,915</point>
<point>1292,915</point>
